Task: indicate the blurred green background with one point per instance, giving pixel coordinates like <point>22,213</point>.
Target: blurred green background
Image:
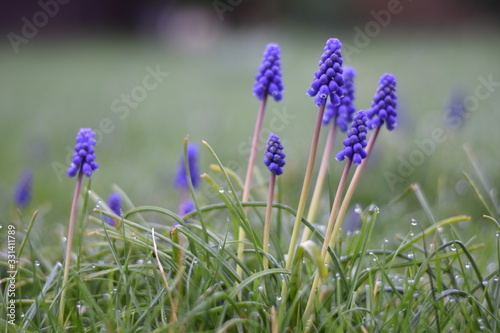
<point>70,74</point>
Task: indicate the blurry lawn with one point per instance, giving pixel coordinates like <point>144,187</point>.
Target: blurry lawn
<point>48,92</point>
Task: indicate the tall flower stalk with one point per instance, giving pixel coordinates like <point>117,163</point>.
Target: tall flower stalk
<point>355,153</point>
<point>383,110</point>
<point>83,163</point>
<point>326,84</point>
<point>274,160</point>
<point>267,82</point>
<point>339,117</point>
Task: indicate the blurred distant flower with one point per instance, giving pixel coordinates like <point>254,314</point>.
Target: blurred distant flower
<point>274,156</point>
<point>192,156</point>
<point>115,204</point>
<point>345,111</point>
<point>84,156</point>
<point>384,104</point>
<point>268,79</point>
<point>328,78</point>
<point>187,207</point>
<point>24,189</point>
<point>455,110</point>
<point>356,140</point>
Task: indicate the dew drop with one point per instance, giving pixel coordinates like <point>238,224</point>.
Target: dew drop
<point>260,288</point>
<point>221,191</point>
<point>386,240</point>
<point>22,315</point>
<point>410,255</point>
<point>374,209</point>
<point>485,283</point>
<point>93,266</point>
<point>1,227</point>
<point>357,210</point>
<point>106,296</point>
<point>412,234</point>
<point>278,299</point>
<point>378,283</point>
<point>440,229</point>
<point>64,239</point>
<point>467,265</point>
<point>453,248</point>
<point>140,261</point>
<point>37,263</point>
<point>495,279</point>
<point>413,222</point>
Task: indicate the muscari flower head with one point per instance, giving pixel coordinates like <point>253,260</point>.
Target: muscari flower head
<point>274,156</point>
<point>84,156</point>
<point>384,104</point>
<point>23,191</point>
<point>192,155</point>
<point>328,78</point>
<point>356,140</point>
<point>186,207</point>
<point>345,111</point>
<point>115,204</point>
<point>268,79</point>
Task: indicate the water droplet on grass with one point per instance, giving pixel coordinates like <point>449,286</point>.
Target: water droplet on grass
<point>467,265</point>
<point>453,248</point>
<point>37,263</point>
<point>413,222</point>
<point>485,283</point>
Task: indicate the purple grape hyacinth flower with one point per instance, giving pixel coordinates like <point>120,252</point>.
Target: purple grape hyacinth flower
<point>115,204</point>
<point>328,78</point>
<point>22,195</point>
<point>384,104</point>
<point>84,156</point>
<point>274,156</point>
<point>345,111</point>
<point>192,156</point>
<point>356,140</point>
<point>268,79</point>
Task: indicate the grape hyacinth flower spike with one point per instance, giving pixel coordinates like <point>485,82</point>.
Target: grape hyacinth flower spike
<point>356,140</point>
<point>115,204</point>
<point>268,79</point>
<point>328,79</point>
<point>267,83</point>
<point>83,163</point>
<point>383,108</point>
<point>24,188</point>
<point>84,157</point>
<point>181,180</point>
<point>327,83</point>
<point>344,112</point>
<point>274,160</point>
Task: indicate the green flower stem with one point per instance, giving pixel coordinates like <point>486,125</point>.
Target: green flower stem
<point>330,228</point>
<point>323,170</point>
<point>305,187</point>
<point>267,223</point>
<point>248,178</point>
<point>302,205</point>
<point>350,190</point>
<point>69,244</point>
